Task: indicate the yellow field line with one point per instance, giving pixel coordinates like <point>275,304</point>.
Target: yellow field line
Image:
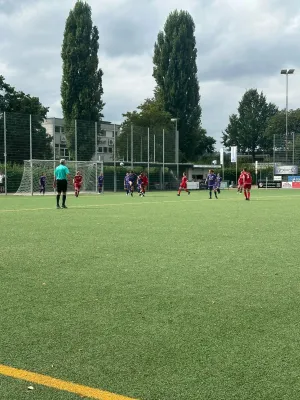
<point>59,384</point>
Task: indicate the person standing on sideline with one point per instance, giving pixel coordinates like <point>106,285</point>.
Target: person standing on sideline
<point>61,176</point>
<point>43,184</point>
<point>211,183</point>
<point>126,184</point>
<point>218,183</point>
<point>2,182</point>
<point>100,183</point>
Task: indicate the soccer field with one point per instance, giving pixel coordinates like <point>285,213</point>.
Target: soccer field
<point>155,298</point>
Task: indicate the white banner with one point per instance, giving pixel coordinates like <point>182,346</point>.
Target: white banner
<point>287,185</point>
<point>193,185</point>
<point>256,166</point>
<point>234,154</point>
<point>286,169</point>
<point>277,178</point>
<point>222,156</point>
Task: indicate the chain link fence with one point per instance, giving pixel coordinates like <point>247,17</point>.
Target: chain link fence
<point>27,141</point>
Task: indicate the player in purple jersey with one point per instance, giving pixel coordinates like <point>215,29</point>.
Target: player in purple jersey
<point>100,183</point>
<point>126,184</point>
<point>139,182</point>
<point>211,183</point>
<point>132,180</point>
<point>218,183</point>
<point>43,184</point>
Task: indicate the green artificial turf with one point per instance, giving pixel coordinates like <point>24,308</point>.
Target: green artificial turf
<point>155,298</point>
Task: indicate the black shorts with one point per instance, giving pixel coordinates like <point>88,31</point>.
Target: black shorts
<point>61,185</point>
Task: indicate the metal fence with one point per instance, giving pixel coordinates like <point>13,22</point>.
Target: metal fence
<point>117,148</point>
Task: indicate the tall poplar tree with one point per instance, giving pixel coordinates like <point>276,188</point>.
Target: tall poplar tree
<point>81,86</point>
<point>175,72</point>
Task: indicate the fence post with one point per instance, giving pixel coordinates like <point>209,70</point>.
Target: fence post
<point>163,159</point>
<point>132,146</point>
<point>274,165</point>
<point>177,151</point>
<point>293,148</point>
<point>54,149</point>
<point>154,148</point>
<point>31,166</point>
<point>76,144</point>
<point>115,172</point>
<point>5,156</point>
<point>148,158</point>
<point>96,156</point>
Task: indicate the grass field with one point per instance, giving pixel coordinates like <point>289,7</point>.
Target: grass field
<point>155,298</point>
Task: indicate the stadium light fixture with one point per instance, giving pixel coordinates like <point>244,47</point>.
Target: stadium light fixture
<point>287,72</point>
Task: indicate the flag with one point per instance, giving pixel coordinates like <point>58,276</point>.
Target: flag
<point>222,156</point>
<point>234,154</point>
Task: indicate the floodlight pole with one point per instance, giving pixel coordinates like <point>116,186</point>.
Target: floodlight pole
<point>286,72</point>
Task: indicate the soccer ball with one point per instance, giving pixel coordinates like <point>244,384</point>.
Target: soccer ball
<point>121,164</point>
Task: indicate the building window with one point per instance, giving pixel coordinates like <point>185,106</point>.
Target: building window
<point>62,129</point>
<point>100,149</point>
<point>57,129</point>
<point>105,149</point>
<point>110,149</point>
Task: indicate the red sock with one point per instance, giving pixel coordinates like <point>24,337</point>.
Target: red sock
<point>245,193</point>
<point>248,195</point>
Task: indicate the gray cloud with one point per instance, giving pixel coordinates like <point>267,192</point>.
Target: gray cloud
<point>241,44</point>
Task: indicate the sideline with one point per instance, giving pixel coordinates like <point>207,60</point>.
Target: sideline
<point>59,384</point>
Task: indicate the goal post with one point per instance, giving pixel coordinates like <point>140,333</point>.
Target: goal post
<point>34,169</point>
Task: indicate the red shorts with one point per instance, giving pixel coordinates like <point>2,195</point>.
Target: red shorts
<point>182,186</point>
<point>247,186</point>
<point>77,186</point>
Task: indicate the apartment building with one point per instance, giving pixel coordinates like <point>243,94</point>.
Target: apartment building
<point>55,127</point>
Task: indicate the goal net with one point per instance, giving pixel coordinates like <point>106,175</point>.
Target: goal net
<point>34,169</point>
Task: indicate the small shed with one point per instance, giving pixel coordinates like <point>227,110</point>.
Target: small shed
<point>198,173</point>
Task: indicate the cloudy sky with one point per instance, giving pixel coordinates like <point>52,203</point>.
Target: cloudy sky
<point>241,44</point>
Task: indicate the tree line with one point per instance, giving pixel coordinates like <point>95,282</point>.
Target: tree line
<point>256,122</point>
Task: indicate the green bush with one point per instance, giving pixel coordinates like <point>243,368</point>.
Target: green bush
<point>230,173</point>
<point>14,174</point>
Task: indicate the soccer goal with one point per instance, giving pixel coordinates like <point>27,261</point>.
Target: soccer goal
<point>34,169</point>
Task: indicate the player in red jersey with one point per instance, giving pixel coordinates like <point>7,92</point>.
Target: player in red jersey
<point>77,182</point>
<point>144,184</point>
<point>240,183</point>
<point>183,185</point>
<point>247,183</point>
